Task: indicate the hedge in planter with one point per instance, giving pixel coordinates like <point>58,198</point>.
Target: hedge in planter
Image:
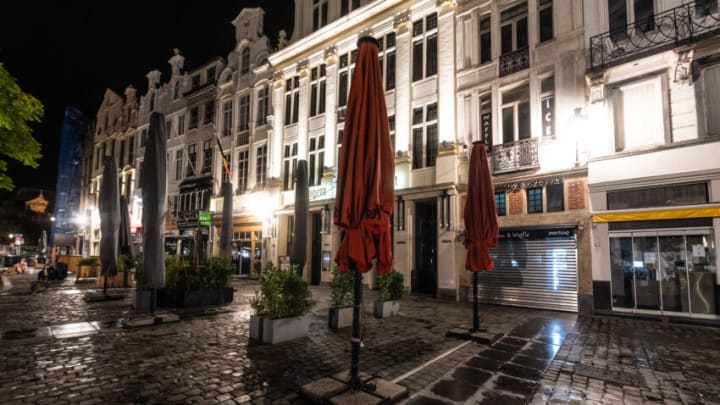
<point>87,267</point>
<point>280,305</point>
<point>391,290</point>
<point>341,299</point>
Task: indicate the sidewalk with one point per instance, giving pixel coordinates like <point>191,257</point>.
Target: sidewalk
<point>546,357</point>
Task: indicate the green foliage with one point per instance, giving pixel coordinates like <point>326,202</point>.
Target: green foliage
<point>124,262</point>
<point>214,274</point>
<point>391,286</point>
<point>341,288</point>
<point>88,261</point>
<point>283,294</point>
<point>17,110</point>
<point>138,265</point>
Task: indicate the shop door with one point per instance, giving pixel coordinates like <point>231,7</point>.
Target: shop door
<point>316,251</point>
<point>666,271</point>
<point>425,272</point>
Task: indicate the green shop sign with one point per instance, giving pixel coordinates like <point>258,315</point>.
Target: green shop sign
<point>204,218</point>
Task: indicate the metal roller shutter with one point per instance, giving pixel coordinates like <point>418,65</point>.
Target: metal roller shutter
<point>538,273</point>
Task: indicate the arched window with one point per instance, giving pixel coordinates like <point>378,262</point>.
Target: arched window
<point>245,61</point>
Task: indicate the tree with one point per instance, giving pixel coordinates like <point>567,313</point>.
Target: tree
<point>17,110</point>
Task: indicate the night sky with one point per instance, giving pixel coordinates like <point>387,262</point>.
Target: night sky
<point>66,53</point>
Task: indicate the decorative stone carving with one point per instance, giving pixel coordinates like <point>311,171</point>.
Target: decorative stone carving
<point>683,73</point>
<point>401,23</point>
<point>596,83</point>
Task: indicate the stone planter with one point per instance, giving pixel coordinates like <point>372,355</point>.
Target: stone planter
<point>284,329</point>
<point>175,298</point>
<point>87,271</point>
<point>384,309</point>
<point>256,327</point>
<point>340,317</point>
<point>141,299</point>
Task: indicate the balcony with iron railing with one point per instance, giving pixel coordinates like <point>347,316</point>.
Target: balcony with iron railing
<point>514,61</point>
<point>685,24</point>
<point>516,156</point>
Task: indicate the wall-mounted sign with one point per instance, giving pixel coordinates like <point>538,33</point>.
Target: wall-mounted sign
<point>564,232</point>
<point>204,218</point>
<point>548,119</point>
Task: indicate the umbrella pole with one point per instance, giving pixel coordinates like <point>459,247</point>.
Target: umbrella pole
<point>476,318</point>
<point>355,345</point>
<point>105,284</point>
<point>152,301</point>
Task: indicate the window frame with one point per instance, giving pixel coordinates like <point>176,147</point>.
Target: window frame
<point>207,156</point>
<point>292,100</point>
<point>423,126</point>
<point>516,103</point>
<point>533,197</point>
<point>243,170</point>
<point>260,165</point>
<point>289,165</point>
<point>243,113</point>
<point>423,45</point>
<point>512,17</point>
<point>316,158</point>
<point>501,203</point>
<point>318,86</point>
<point>227,118</point>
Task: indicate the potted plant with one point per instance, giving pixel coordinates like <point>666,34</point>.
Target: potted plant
<point>120,279</point>
<point>282,302</point>
<point>391,290</point>
<point>140,295</point>
<point>341,299</point>
<point>187,286</point>
<point>87,267</point>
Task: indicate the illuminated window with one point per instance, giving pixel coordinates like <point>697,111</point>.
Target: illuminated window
<point>534,200</point>
<point>500,203</point>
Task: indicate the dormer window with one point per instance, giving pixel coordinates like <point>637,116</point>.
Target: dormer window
<point>196,81</point>
<point>176,90</point>
<point>210,74</point>
<point>245,61</point>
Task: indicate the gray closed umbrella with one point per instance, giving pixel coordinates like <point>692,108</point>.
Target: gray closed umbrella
<point>226,226</point>
<point>302,200</point>
<point>154,187</point>
<point>124,240</point>
<point>42,246</point>
<point>109,207</point>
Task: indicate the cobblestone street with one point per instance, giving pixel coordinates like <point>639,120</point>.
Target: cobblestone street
<point>56,348</point>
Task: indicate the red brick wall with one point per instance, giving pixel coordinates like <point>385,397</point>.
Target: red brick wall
<point>515,203</point>
<point>576,195</point>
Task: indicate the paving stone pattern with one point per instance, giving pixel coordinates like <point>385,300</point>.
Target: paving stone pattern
<point>55,348</point>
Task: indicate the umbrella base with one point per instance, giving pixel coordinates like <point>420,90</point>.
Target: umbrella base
<point>336,390</point>
<point>481,336</point>
<point>150,320</point>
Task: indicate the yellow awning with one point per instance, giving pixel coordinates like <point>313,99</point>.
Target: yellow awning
<point>700,212</point>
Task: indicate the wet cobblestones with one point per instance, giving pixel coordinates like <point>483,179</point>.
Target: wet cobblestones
<point>544,358</point>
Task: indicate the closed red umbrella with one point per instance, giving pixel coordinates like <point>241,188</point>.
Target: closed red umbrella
<point>481,224</point>
<point>365,194</point>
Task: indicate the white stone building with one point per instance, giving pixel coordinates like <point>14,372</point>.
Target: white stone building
<point>652,140</point>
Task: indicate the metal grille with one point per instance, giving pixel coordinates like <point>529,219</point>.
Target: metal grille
<point>532,273</point>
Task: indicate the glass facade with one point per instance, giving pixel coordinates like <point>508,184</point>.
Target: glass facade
<point>665,270</point>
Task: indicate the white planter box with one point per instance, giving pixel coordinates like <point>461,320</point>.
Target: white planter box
<point>284,329</point>
<point>340,317</point>
<point>256,327</point>
<point>384,309</point>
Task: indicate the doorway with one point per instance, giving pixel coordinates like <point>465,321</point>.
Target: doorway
<point>316,251</point>
<point>425,272</point>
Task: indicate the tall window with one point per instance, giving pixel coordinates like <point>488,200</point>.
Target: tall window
<point>316,159</point>
<point>243,171</point>
<point>555,197</point>
<point>227,118</point>
<point>547,106</point>
<point>292,99</point>
<point>209,112</point>
<point>226,159</point>
<point>244,113</point>
<point>644,11</point>
<point>500,203</point>
<point>194,117</point>
<point>195,81</point>
<point>639,114</point>
<point>513,29</point>
<point>192,160</point>
<point>181,124</point>
<point>425,47</point>
<point>207,156</point>
<point>709,80</point>
<point>289,166</point>
<point>178,164</point>
<point>320,11</point>
<point>545,19</point>
<point>261,162</point>
<point>425,136</point>
<point>131,149</point>
<point>534,200</point>
<point>210,74</point>
<point>345,71</point>
<point>391,124</point>
<point>168,128</point>
<point>317,90</point>
<point>245,61</point>
<point>516,114</point>
<point>176,90</point>
<point>347,6</point>
<point>387,60</point>
<point>262,105</point>
<point>485,41</point>
<point>143,139</point>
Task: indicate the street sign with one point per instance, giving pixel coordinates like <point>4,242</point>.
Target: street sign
<point>204,218</point>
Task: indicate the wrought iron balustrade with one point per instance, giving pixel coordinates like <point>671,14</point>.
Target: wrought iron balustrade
<point>514,61</point>
<point>681,25</point>
<point>516,156</point>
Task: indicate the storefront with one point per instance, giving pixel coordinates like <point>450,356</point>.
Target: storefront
<point>534,267</point>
